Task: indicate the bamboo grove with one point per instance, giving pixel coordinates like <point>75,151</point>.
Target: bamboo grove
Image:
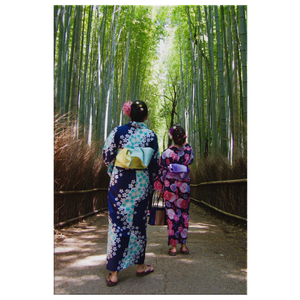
<point>107,55</point>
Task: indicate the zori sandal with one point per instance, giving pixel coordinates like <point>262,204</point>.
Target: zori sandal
<point>171,253</point>
<point>148,271</point>
<point>184,251</point>
<point>109,282</point>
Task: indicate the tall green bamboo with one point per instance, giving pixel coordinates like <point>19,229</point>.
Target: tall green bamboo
<point>224,148</point>
<point>59,72</point>
<point>193,86</point>
<point>183,91</point>
<point>69,9</point>
<point>227,64</point>
<point>83,94</point>
<point>76,66</point>
<point>107,78</point>
<point>70,68</point>
<point>183,96</point>
<point>188,88</point>
<point>201,119</point>
<point>212,78</point>
<point>244,68</point>
<point>109,56</point>
<point>125,77</point>
<point>235,84</point>
<point>100,75</point>
<point>247,91</point>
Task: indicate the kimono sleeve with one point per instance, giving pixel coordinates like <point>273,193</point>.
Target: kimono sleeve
<point>188,155</point>
<point>155,156</point>
<point>162,170</point>
<point>110,149</point>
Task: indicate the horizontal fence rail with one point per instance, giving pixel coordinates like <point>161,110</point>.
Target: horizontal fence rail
<point>228,197</point>
<point>79,191</point>
<point>62,224</point>
<point>219,182</point>
<point>219,210</point>
<point>71,206</point>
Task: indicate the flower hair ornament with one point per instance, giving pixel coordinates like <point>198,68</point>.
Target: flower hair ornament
<point>171,131</point>
<point>140,105</point>
<point>127,108</point>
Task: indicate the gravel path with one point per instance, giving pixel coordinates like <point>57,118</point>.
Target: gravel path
<point>217,263</point>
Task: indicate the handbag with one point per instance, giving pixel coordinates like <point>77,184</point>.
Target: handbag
<point>158,211</point>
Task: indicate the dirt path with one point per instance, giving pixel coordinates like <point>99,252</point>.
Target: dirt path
<point>217,263</point>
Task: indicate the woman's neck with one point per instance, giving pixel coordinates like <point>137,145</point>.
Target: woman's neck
<point>178,146</point>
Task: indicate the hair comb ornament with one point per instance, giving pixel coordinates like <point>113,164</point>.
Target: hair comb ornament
<point>171,131</point>
<point>127,108</point>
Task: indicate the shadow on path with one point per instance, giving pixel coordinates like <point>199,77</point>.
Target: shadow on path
<point>217,263</point>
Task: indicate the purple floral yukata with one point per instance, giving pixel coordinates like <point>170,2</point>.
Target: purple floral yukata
<point>176,190</point>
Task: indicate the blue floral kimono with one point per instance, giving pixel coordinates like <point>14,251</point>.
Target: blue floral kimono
<point>129,192</point>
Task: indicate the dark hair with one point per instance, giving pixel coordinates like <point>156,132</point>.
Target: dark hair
<point>178,135</point>
<point>139,111</point>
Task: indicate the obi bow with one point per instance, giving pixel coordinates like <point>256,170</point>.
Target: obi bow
<point>178,168</point>
<point>137,158</point>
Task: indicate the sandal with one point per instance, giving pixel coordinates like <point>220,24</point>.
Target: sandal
<point>148,271</point>
<point>184,251</point>
<point>109,282</point>
<point>171,253</point>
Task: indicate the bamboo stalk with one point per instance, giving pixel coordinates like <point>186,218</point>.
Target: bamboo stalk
<point>75,87</point>
<point>235,87</point>
<point>221,86</point>
<point>228,69</point>
<point>208,15</point>
<point>65,100</point>
<point>58,86</point>
<point>201,96</point>
<point>83,95</point>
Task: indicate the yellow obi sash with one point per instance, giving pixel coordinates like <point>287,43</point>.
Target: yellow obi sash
<point>137,158</point>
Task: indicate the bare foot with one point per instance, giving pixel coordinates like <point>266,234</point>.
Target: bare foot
<point>173,249</point>
<point>183,247</point>
<point>113,276</point>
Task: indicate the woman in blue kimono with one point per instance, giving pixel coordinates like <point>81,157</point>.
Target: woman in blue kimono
<point>131,154</point>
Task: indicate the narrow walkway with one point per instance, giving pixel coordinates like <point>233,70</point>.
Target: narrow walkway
<point>217,263</point>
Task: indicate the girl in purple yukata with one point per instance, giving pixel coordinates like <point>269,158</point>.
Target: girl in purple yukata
<point>173,182</point>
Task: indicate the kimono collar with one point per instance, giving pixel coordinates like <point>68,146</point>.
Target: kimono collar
<point>138,125</point>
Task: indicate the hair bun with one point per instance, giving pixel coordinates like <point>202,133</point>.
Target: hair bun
<point>178,134</point>
<point>139,111</point>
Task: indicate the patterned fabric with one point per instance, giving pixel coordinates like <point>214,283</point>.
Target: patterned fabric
<point>128,196</point>
<point>176,192</point>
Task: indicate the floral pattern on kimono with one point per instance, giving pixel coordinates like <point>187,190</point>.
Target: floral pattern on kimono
<point>128,196</point>
<point>176,193</point>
